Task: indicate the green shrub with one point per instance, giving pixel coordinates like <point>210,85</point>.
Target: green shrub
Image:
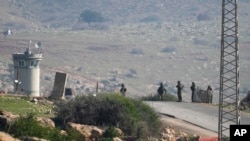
<point>28,126</point>
<point>110,133</point>
<point>110,110</point>
<point>166,97</point>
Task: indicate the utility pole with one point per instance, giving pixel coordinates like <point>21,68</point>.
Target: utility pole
<point>229,112</point>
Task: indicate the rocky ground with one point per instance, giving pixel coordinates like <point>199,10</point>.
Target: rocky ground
<point>173,128</point>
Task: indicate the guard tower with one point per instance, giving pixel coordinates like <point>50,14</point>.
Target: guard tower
<point>27,72</point>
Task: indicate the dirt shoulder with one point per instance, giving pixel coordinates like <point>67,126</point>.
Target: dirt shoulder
<point>186,127</point>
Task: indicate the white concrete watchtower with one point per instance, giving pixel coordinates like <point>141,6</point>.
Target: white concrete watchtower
<point>27,72</point>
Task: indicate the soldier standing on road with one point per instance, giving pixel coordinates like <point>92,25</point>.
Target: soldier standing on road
<point>179,88</point>
<point>123,89</point>
<point>161,90</point>
<point>210,94</point>
<point>192,89</point>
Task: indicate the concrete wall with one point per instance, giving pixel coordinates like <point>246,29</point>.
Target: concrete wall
<point>59,86</point>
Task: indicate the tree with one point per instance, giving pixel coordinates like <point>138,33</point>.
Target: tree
<point>91,16</point>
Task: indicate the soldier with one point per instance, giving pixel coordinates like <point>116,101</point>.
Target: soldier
<point>179,88</point>
<point>192,89</point>
<point>123,89</point>
<point>210,93</point>
<point>161,90</point>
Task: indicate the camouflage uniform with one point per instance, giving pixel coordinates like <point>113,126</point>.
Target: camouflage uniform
<point>123,89</point>
<point>179,88</point>
<point>161,90</point>
<point>192,89</point>
<point>210,93</point>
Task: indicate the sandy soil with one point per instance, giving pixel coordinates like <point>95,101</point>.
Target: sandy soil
<point>187,127</point>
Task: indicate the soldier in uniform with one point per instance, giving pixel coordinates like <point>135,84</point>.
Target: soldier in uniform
<point>179,88</point>
<point>123,89</point>
<point>161,90</point>
<point>210,94</point>
<point>192,89</point>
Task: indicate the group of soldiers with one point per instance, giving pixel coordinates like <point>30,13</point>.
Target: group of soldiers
<point>161,90</point>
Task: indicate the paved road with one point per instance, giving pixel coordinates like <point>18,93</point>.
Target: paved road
<point>203,115</point>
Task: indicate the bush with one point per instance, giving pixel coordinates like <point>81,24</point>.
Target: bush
<point>203,17</point>
<point>151,18</point>
<point>166,97</point>
<point>137,51</point>
<point>110,110</point>
<point>28,126</point>
<point>110,133</point>
<point>169,49</point>
<point>91,16</point>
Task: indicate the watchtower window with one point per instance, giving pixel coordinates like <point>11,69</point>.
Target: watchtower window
<point>16,63</point>
<point>22,63</point>
<point>33,63</point>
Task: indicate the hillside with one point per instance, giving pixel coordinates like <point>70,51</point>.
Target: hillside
<point>176,45</point>
<point>66,13</point>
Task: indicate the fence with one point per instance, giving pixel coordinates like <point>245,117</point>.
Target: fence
<point>203,96</point>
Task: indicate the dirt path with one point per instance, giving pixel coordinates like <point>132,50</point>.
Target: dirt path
<point>187,127</point>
